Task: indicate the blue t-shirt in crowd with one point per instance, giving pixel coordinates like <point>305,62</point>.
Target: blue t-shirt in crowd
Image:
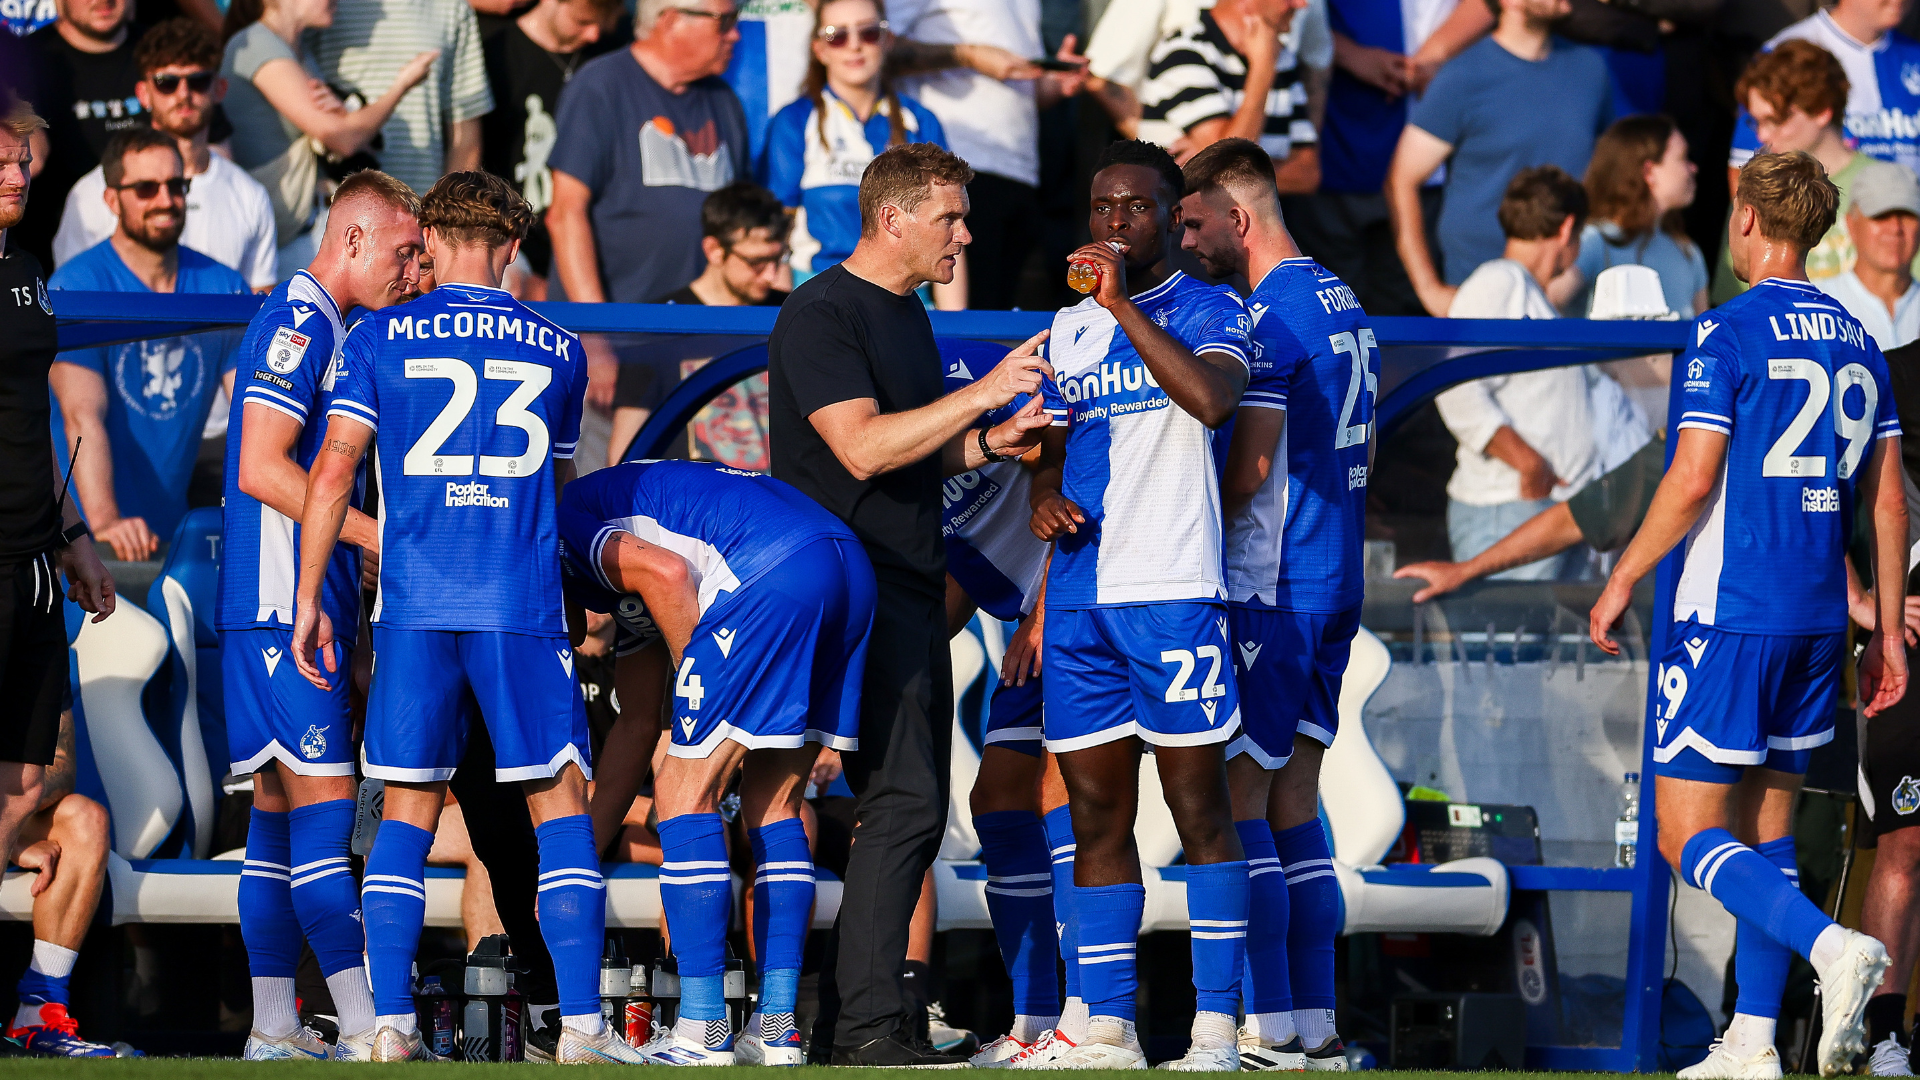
<point>23,17</point>
<point>1503,114</point>
<point>158,390</point>
<point>822,175</point>
<point>1363,122</point>
<point>650,158</point>
<point>769,61</point>
<point>1682,269</point>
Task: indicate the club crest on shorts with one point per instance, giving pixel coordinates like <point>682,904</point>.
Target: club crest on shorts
<point>1906,796</point>
<point>314,743</point>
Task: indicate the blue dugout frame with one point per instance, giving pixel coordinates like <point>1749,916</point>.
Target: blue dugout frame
<point>1419,358</point>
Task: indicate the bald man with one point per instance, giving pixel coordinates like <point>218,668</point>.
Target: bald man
<point>290,733</point>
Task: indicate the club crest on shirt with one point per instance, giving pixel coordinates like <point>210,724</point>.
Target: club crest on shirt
<point>1910,78</point>
<point>156,378</point>
<point>314,743</point>
<point>40,294</point>
<point>1906,796</point>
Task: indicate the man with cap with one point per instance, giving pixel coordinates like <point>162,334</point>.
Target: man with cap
<point>1884,220</point>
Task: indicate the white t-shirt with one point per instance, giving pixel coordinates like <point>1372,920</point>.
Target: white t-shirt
<point>1550,410</point>
<point>1124,38</point>
<point>1890,329</point>
<point>229,220</point>
<point>995,126</point>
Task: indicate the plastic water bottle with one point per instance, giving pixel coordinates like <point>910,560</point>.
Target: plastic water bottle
<point>436,1018</point>
<point>1626,831</point>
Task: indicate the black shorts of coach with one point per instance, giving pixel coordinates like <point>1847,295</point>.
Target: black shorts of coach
<point>33,660</point>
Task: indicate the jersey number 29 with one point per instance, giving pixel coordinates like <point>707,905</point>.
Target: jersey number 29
<point>424,457</point>
<point>1857,430</point>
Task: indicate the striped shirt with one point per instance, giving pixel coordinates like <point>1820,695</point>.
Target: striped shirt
<point>364,50</point>
<point>1195,75</point>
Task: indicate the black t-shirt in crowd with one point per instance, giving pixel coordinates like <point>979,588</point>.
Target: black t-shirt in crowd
<point>839,338</point>
<point>518,134</point>
<point>85,98</point>
<point>28,524</point>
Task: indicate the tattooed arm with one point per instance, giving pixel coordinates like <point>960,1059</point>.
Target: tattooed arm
<point>268,472</point>
<point>58,780</point>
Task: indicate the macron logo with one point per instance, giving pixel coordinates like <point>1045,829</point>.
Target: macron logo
<point>300,315</point>
<point>723,637</point>
<point>1222,625</point>
<point>1704,331</point>
<point>686,727</point>
<point>1249,652</point>
<point>566,659</point>
<point>1696,649</point>
<point>1078,334</point>
<point>272,657</point>
<point>1209,707</point>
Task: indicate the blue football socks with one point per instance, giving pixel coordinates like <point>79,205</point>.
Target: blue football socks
<point>696,890</point>
<point>327,900</point>
<point>573,916</point>
<point>1313,905</point>
<point>1109,928</point>
<point>1265,987</point>
<point>393,902</point>
<point>268,924</point>
<point>1217,915</point>
<point>1752,888</point>
<point>782,912</point>
<point>1760,964</point>
<point>1020,901</point>
<point>1060,844</point>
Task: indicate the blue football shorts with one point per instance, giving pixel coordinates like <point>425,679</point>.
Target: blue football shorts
<point>780,662</point>
<point>273,712</point>
<point>417,714</point>
<point>1156,671</point>
<point>1723,701</point>
<point>1290,665</point>
<point>1014,717</point>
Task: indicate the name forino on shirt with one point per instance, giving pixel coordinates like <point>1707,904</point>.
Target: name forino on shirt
<point>1816,326</point>
<point>468,324</point>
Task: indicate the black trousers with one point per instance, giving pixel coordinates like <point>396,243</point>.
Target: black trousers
<point>900,774</point>
<point>1004,218</point>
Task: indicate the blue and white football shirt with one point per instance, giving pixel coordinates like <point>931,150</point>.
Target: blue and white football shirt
<point>1883,102</point>
<point>991,549</point>
<point>1803,395</point>
<point>284,364</point>
<point>814,158</point>
<point>730,525</point>
<point>1298,544</point>
<point>473,397</point>
<point>1140,466</point>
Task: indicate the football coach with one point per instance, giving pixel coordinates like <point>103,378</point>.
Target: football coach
<point>858,422</point>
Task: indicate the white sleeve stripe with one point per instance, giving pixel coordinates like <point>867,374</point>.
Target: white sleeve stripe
<point>349,403</point>
<point>600,541</point>
<point>1707,415</point>
<point>354,416</point>
<point>277,407</point>
<point>1704,426</point>
<point>261,391</point>
<point>1245,404</point>
<point>1894,434</point>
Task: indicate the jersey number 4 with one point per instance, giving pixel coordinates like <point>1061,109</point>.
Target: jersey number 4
<point>424,457</point>
<point>1857,430</point>
<point>1349,433</point>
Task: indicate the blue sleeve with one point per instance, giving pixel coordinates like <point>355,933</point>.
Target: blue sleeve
<point>1886,419</point>
<point>1746,139</point>
<point>1592,258</point>
<point>1441,111</point>
<point>930,129</point>
<point>287,365</point>
<point>784,157</point>
<point>1222,326</point>
<point>1050,400</point>
<point>581,149</point>
<point>351,391</point>
<point>566,437</point>
<point>1273,366</point>
<point>1710,374</point>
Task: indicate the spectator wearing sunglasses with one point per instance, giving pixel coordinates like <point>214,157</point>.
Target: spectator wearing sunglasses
<point>847,113</point>
<point>229,216</point>
<point>645,134</point>
<point>140,407</point>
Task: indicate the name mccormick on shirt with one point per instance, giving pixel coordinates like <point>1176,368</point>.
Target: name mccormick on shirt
<point>470,324</point>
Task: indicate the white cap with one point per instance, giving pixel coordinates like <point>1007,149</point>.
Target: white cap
<point>1629,291</point>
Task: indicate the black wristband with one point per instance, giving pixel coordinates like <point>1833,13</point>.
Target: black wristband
<point>78,530</point>
<point>987,452</point>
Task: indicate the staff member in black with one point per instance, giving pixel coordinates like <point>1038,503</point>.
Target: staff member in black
<point>858,422</point>
<point>36,535</point>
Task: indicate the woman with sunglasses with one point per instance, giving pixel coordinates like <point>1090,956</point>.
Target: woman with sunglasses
<point>284,115</point>
<point>847,113</point>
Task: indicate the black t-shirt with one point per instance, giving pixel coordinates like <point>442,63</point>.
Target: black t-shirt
<point>85,98</point>
<point>838,338</point>
<point>28,524</point>
<point>526,81</point>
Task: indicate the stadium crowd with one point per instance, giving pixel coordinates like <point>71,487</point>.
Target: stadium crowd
<point>858,163</point>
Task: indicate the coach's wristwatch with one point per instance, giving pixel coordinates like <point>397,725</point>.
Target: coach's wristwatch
<point>987,451</point>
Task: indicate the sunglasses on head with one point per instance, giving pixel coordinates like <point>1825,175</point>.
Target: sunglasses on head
<point>199,82</point>
<point>148,189</point>
<point>837,37</point>
<point>724,21</point>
